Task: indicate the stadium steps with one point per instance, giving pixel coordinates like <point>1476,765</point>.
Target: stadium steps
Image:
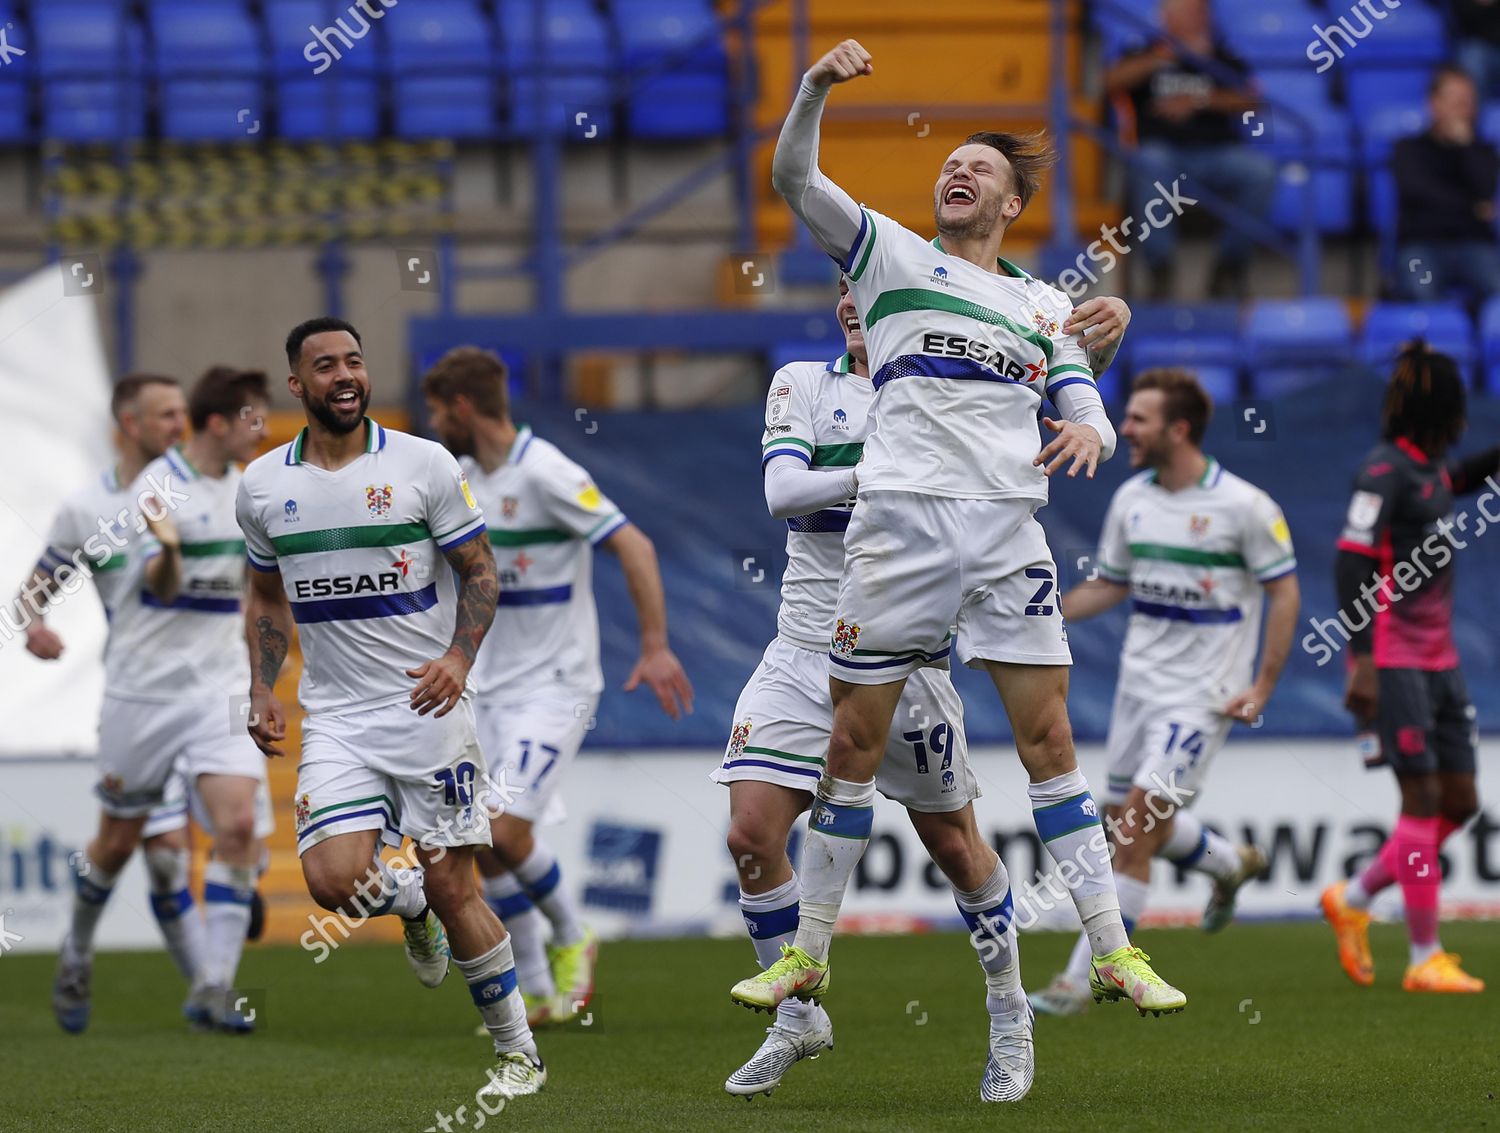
<point>937,65</point>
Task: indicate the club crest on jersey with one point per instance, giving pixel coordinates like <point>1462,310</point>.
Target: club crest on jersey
<point>845,637</point>
<point>289,510</point>
<point>939,275</point>
<point>739,736</point>
<point>304,812</point>
<point>1044,323</point>
<point>1198,526</point>
<point>508,506</point>
<point>378,500</point>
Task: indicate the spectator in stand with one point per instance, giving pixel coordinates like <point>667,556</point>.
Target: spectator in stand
<point>1445,199</point>
<point>1188,117</point>
<point>1478,23</point>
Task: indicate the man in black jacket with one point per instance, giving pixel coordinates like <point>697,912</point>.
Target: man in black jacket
<point>1445,186</point>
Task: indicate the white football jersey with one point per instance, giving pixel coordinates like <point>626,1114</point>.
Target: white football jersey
<point>194,646</point>
<point>960,359</point>
<point>361,555</point>
<point>94,531</point>
<point>819,413</point>
<point>1194,561</point>
<point>545,518</point>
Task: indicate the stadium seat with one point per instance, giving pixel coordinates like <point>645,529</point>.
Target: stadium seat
<point>15,82</point>
<point>1445,326</point>
<point>1267,34</point>
<point>222,110</point>
<point>1171,334</point>
<point>93,110</point>
<point>580,63</point>
<point>443,62</point>
<point>85,39</point>
<point>1308,333</point>
<point>1489,344</point>
<point>677,72</point>
<point>1294,86</point>
<point>1282,381</point>
<point>341,101</point>
<point>1408,34</point>
<point>209,62</point>
<point>1372,90</point>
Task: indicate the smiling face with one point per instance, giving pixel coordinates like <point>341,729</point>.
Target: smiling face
<point>330,380</point>
<point>854,335</point>
<point>974,193</point>
<point>1151,437</point>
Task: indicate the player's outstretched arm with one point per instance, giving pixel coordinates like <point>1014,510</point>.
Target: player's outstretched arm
<point>829,213</point>
<point>268,634</point>
<point>658,667</point>
<point>1283,605</point>
<point>440,683</point>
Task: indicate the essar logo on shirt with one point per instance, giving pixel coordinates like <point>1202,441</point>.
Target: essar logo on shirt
<point>941,345</point>
<point>347,584</point>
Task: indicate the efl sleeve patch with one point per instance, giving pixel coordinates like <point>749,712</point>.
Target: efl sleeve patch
<point>777,404</point>
<point>463,482</point>
<point>589,496</point>
<point>1364,513</point>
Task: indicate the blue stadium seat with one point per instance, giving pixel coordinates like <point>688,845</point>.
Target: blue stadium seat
<point>691,98</point>
<point>1384,127</point>
<point>333,94</point>
<point>1489,122</point>
<point>443,61</point>
<point>209,61</point>
<point>93,110</point>
<point>1445,326</point>
<point>580,62</point>
<point>1295,86</point>
<point>1409,34</point>
<point>1372,89</point>
<point>15,81</point>
<point>1282,381</point>
<point>1117,34</point>
<point>1267,34</point>
<point>85,39</point>
<point>1301,333</point>
<point>1212,329</point>
<point>1489,330</point>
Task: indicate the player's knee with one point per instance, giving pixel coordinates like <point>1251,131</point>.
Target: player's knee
<point>113,847</point>
<point>1460,807</point>
<point>956,854</point>
<point>329,891</point>
<point>750,845</point>
<point>234,835</point>
<point>447,890</point>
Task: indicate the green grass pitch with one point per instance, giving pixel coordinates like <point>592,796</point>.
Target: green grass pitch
<point>1274,1037</point>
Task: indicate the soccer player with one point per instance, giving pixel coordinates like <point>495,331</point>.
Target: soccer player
<point>371,542</point>
<point>173,670</point>
<point>150,415</point>
<point>817,421</point>
<point>962,348</point>
<point>537,676</point>
<point>1404,681</point>
<point>1196,549</point>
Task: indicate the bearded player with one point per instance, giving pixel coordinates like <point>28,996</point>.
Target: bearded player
<point>537,676</point>
<point>963,348</point>
<point>368,543</point>
<point>817,422</point>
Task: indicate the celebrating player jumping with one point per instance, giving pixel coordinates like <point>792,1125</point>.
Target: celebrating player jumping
<point>1193,546</point>
<point>371,542</point>
<point>817,422</point>
<point>963,348</point>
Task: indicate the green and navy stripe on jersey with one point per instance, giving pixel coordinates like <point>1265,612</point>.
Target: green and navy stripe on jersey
<point>1195,561</point>
<point>962,359</point>
<point>546,515</point>
<point>361,555</point>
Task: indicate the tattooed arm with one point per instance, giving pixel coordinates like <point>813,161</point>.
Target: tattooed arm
<point>268,633</point>
<point>1102,322</point>
<point>440,683</point>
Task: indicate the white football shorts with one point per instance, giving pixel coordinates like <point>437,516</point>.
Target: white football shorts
<point>530,745</point>
<point>391,770</point>
<point>916,565</point>
<point>784,717</point>
<point>1163,749</point>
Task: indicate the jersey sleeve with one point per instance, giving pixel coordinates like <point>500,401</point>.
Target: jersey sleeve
<point>1368,520</point>
<point>1268,541</point>
<point>574,501</point>
<point>871,255</point>
<point>1069,365</point>
<point>258,546</point>
<point>789,424</point>
<point>1114,560</point>
<point>64,540</point>
<point>453,514</point>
